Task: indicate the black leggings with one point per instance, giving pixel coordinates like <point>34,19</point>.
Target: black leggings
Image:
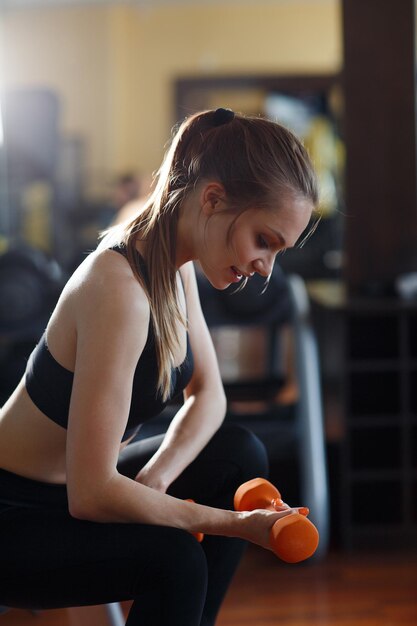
<point>52,560</point>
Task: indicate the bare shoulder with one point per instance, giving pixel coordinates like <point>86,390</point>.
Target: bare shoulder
<point>105,286</point>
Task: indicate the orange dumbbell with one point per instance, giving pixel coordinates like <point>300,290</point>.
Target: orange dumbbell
<point>293,538</point>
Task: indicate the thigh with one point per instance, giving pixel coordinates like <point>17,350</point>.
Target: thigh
<point>232,456</point>
<point>50,559</point>
<point>136,454</point>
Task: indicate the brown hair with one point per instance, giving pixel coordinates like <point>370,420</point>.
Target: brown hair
<point>254,159</point>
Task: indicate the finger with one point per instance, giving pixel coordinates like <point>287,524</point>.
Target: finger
<point>300,510</point>
<point>285,512</point>
<point>279,505</point>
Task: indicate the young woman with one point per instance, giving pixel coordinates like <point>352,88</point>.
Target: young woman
<point>87,517</point>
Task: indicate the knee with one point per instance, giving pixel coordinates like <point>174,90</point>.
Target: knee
<point>170,584</point>
<point>185,563</point>
<point>246,450</point>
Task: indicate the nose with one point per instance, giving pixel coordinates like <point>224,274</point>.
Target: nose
<point>264,265</point>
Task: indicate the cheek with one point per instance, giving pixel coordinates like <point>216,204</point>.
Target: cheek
<point>218,253</point>
<point>244,249</point>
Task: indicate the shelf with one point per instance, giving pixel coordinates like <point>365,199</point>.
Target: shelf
<point>372,336</point>
<point>385,365</point>
<point>376,449</point>
<point>381,503</point>
<point>373,393</point>
<point>376,421</point>
<point>412,334</point>
<point>412,384</point>
<point>380,447</point>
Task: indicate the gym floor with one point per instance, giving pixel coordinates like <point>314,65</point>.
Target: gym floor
<point>353,589</point>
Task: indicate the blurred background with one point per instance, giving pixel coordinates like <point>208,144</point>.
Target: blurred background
<point>91,90</point>
<point>89,93</point>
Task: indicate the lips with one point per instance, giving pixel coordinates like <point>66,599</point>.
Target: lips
<point>241,274</point>
<point>238,274</point>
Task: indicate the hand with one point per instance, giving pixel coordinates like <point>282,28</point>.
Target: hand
<point>151,479</point>
<point>255,526</point>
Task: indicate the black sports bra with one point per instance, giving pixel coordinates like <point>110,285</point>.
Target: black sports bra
<point>49,384</point>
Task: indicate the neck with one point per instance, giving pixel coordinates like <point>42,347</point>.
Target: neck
<point>187,232</point>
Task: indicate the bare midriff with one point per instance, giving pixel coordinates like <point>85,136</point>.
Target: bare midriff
<point>31,445</point>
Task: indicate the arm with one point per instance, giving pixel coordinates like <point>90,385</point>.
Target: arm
<point>112,317</point>
<point>204,401</point>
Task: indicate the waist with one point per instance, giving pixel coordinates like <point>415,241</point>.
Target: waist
<point>16,490</point>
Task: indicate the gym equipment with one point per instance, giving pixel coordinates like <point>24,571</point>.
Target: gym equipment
<point>293,538</point>
<point>30,285</point>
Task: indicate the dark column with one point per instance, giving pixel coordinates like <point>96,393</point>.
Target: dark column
<point>380,94</point>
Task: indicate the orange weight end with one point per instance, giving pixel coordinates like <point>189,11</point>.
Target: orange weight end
<point>294,538</point>
<point>257,493</point>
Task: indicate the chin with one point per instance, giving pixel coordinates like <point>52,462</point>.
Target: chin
<point>220,286</point>
<point>218,282</point>
<point>216,279</point>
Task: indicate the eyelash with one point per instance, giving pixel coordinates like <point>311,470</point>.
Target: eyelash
<point>263,243</point>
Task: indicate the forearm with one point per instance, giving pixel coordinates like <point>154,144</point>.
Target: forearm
<point>123,500</point>
<point>191,429</point>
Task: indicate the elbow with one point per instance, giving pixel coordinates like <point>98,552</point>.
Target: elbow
<point>216,397</point>
<point>220,402</point>
<point>91,501</point>
<point>84,508</point>
<point>221,395</point>
<point>81,512</point>
<point>223,404</point>
<point>211,392</point>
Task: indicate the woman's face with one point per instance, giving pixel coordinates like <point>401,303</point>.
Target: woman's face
<point>235,247</point>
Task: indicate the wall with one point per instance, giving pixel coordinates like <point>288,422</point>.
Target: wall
<point>114,67</point>
<point>65,50</point>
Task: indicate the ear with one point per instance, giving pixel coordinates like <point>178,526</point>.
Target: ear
<point>212,198</point>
